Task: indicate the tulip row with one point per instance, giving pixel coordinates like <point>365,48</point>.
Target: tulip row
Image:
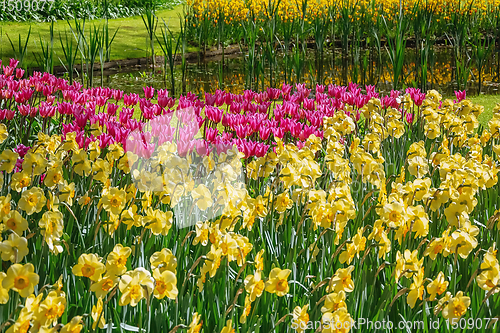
<point>247,120</point>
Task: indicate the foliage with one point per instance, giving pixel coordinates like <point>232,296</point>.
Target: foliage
<point>71,9</point>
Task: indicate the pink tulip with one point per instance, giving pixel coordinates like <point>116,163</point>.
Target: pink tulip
<point>461,95</point>
<point>19,73</point>
<point>13,63</point>
<point>202,147</point>
<point>47,110</point>
<point>130,100</point>
<point>117,95</point>
<point>409,118</point>
<point>149,92</point>
<point>51,99</point>
<point>9,114</point>
<point>220,98</point>
<point>235,107</point>
<point>209,99</point>
<point>241,131</point>
<point>273,93</point>
<point>264,132</point>
<point>112,108</point>
<point>24,110</point>
<point>8,71</point>
<point>308,104</point>
<point>248,95</point>
<point>211,134</point>
<point>214,114</point>
<point>278,132</point>
<point>22,150</point>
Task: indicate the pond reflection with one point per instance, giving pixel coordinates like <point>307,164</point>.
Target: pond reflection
<point>232,75</point>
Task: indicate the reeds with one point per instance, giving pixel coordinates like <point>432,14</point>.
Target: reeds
<point>458,38</point>
<point>70,52</point>
<point>358,25</point>
<point>424,31</point>
<point>47,61</point>
<point>482,47</point>
<point>22,48</point>
<point>78,32</point>
<point>252,57</point>
<point>151,23</point>
<point>89,47</point>
<point>183,39</point>
<point>95,48</point>
<point>396,47</point>
<point>170,46</point>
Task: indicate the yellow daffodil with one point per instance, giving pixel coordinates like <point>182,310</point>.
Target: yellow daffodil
<point>134,286</point>
<point>339,321</point>
<point>81,163</point>
<point>127,161</point>
<point>21,278</point>
<point>32,200</point>
<point>8,160</point>
<point>202,233</point>
<point>278,281</point>
<point>52,225</point>
<point>202,197</point>
<point>341,281</point>
<point>114,201</point>
<point>456,307</point>
<point>4,292</point>
<point>334,301</point>
<point>301,317</point>
<point>15,222</point>
<point>20,180</point>
<point>14,248</point>
<point>34,163</point>
<point>195,325</point>
<point>116,263</point>
<point>254,285</point>
<point>4,133</point>
<point>103,286</point>
<point>165,284</point>
<point>74,326</point>
<point>228,328</point>
<point>50,309</point>
<point>437,286</point>
<point>416,290</point>
<point>53,177</point>
<point>98,315</point>
<point>163,260</point>
<point>89,266</point>
<point>159,222</point>
<point>247,308</point>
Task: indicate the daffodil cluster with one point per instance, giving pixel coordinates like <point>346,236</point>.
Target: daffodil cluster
<point>337,10</point>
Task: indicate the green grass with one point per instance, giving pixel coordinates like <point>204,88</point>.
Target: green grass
<point>130,42</point>
<point>489,102</point>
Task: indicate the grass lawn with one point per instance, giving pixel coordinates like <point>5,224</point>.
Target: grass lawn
<point>489,102</point>
<point>130,41</point>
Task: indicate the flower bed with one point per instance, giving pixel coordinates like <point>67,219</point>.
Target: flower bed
<point>264,211</point>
